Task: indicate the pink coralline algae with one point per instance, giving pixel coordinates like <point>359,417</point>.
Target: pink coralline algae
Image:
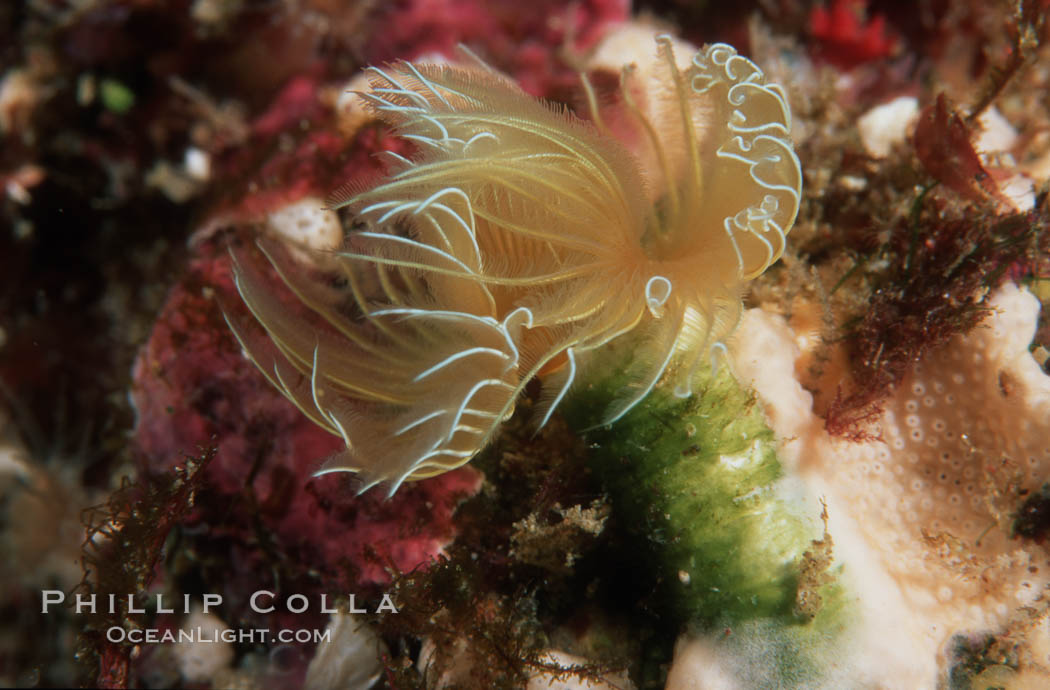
<point>526,39</point>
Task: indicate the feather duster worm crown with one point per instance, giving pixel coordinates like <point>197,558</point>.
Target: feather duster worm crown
<point>516,241</point>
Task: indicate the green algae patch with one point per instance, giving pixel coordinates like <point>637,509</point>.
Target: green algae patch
<point>697,482</point>
<point>116,97</point>
<point>733,550</point>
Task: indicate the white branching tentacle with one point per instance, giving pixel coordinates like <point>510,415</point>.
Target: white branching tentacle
<point>460,355</point>
<point>570,378</point>
<point>657,292</point>
<point>422,420</point>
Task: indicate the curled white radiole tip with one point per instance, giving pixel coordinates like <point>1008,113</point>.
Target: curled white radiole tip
<point>515,243</point>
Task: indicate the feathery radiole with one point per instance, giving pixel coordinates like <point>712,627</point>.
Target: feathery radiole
<point>518,240</point>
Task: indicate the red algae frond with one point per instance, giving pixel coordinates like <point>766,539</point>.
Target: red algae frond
<point>518,241</point>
